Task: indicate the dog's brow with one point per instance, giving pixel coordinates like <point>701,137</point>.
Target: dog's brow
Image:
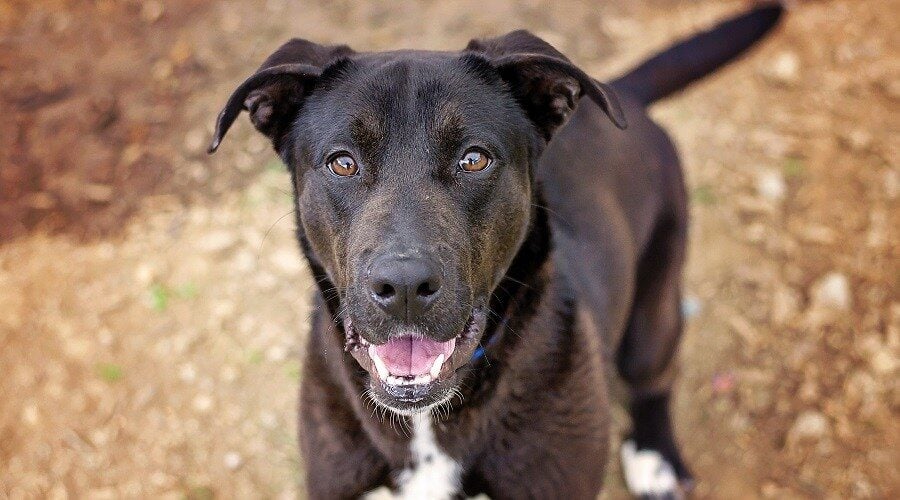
<point>367,131</point>
<point>447,125</point>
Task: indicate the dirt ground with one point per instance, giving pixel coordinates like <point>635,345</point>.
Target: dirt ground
<point>153,303</point>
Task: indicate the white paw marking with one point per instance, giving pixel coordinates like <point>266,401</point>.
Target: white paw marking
<point>647,472</point>
<point>433,475</point>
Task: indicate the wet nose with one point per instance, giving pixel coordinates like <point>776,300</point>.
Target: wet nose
<point>404,287</point>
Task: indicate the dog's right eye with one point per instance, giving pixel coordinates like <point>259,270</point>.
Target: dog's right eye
<point>343,164</point>
<point>475,160</point>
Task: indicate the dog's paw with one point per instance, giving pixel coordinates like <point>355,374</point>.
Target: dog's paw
<point>648,475</point>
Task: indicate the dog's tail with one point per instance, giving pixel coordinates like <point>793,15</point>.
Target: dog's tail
<point>685,62</point>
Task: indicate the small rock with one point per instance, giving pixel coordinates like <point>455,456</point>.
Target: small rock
<point>31,415</point>
<point>228,374</point>
<point>266,280</point>
<point>723,383</point>
<point>217,241</point>
<point>187,373</point>
<point>144,274</point>
<point>195,141</point>
<point>892,88</point>
<point>152,10</point>
<point>818,233</point>
<point>276,353</point>
<point>691,306</point>
<point>181,52</point>
<point>256,144</point>
<point>269,420</point>
<point>202,403</point>
<point>99,437</point>
<point>287,261</point>
<point>230,21</point>
<point>40,201</point>
<point>809,426</point>
<point>131,154</point>
<point>98,193</point>
<point>198,171</point>
<point>162,70</point>
<point>756,232</point>
<point>832,292</point>
<point>102,494</point>
<point>858,140</point>
<point>770,185</point>
<point>58,492</point>
<point>878,234</point>
<point>244,260</point>
<point>892,184</point>
<point>232,460</point>
<point>785,69</point>
<point>884,362</point>
<point>785,304</point>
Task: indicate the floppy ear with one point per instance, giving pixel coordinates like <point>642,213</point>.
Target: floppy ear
<point>273,95</point>
<point>545,82</point>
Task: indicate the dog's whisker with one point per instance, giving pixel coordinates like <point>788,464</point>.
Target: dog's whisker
<point>266,236</point>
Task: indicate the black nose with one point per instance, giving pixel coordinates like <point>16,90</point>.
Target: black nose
<point>404,286</point>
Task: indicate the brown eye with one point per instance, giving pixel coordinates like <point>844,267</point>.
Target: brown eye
<point>343,165</point>
<point>475,160</point>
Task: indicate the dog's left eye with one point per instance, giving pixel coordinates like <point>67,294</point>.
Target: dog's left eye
<point>475,160</point>
<point>343,164</point>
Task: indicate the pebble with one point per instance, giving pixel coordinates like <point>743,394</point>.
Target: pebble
<point>195,141</point>
<point>162,69</point>
<point>810,425</point>
<point>691,306</point>
<point>217,241</point>
<point>152,10</point>
<point>892,88</point>
<point>723,383</point>
<point>832,292</point>
<point>232,460</point>
<point>187,373</point>
<point>98,193</point>
<point>858,140</point>
<point>31,415</point>
<point>770,185</point>
<point>268,420</point>
<point>785,305</point>
<point>785,68</point>
<point>884,362</point>
<point>131,154</point>
<point>276,353</point>
<point>892,184</point>
<point>878,234</point>
<point>202,403</point>
<point>818,233</point>
<point>287,261</point>
<point>228,374</point>
<point>58,492</point>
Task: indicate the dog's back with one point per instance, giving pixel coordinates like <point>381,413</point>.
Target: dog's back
<point>618,208</point>
<point>602,183</point>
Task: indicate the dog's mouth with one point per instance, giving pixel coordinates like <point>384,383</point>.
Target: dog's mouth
<point>411,371</point>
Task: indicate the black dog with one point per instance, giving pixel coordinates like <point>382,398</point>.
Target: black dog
<point>476,277</point>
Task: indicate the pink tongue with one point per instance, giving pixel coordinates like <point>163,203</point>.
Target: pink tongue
<point>411,356</point>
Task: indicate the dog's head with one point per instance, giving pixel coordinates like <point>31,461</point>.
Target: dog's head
<point>414,187</point>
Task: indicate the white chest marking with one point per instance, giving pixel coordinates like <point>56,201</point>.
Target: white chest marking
<point>433,474</point>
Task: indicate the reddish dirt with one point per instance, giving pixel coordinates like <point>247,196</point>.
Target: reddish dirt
<point>153,303</point>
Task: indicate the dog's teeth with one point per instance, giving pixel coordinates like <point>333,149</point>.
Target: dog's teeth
<point>379,364</point>
<point>436,367</point>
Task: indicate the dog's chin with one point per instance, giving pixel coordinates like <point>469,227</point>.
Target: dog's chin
<point>428,381</point>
